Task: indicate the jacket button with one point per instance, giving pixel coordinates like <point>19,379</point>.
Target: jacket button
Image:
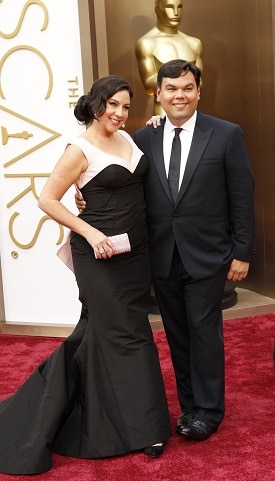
<point>175,217</point>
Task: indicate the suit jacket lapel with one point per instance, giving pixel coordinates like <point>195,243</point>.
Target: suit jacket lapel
<point>199,142</point>
<point>198,145</point>
<point>156,139</point>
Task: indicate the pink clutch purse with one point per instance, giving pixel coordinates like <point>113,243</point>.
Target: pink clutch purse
<point>121,244</point>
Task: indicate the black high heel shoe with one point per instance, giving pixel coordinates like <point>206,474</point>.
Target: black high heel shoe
<point>155,450</point>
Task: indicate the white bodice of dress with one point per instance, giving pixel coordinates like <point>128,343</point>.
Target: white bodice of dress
<point>99,160</point>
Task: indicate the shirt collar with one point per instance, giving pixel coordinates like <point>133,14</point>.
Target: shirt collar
<point>189,125</point>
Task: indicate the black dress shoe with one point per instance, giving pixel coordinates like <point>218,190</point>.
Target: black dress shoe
<point>197,430</point>
<point>183,421</point>
<point>155,450</point>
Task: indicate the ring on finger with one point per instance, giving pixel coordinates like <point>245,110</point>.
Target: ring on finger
<point>101,250</point>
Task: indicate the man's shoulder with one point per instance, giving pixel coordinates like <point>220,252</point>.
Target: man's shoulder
<point>144,131</point>
<point>212,121</point>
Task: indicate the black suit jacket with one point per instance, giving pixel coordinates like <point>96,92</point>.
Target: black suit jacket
<point>212,221</point>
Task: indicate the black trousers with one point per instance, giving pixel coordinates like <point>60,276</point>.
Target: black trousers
<point>191,311</point>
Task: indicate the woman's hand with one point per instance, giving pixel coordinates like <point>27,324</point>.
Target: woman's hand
<point>155,120</point>
<point>102,245</point>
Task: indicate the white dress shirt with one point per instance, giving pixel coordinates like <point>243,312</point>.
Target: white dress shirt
<point>186,136</point>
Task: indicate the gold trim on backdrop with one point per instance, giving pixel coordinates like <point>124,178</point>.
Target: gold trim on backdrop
<point>93,40</point>
<point>101,38</point>
<point>88,67</point>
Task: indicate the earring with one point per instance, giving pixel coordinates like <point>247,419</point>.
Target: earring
<point>123,126</point>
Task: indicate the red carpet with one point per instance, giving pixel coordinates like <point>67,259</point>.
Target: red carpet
<point>241,450</point>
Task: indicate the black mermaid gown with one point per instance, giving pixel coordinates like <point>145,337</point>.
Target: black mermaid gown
<point>101,392</point>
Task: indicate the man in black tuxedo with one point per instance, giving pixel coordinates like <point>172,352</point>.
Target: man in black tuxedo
<point>198,240</point>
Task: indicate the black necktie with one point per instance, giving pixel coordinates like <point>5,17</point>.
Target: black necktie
<point>174,167</point>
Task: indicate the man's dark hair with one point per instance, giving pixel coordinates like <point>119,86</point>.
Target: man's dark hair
<point>174,69</point>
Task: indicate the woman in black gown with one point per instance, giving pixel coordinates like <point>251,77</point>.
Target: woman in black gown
<point>101,392</point>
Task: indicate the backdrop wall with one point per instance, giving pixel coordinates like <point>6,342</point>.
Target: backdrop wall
<point>238,84</point>
<point>40,82</point>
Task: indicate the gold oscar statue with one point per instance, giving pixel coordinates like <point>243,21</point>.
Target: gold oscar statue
<point>163,43</point>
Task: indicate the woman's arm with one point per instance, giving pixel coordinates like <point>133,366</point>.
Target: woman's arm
<point>66,172</point>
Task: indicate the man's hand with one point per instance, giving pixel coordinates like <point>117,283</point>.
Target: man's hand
<point>238,270</point>
<point>102,245</point>
<point>79,201</point>
<point>155,120</point>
